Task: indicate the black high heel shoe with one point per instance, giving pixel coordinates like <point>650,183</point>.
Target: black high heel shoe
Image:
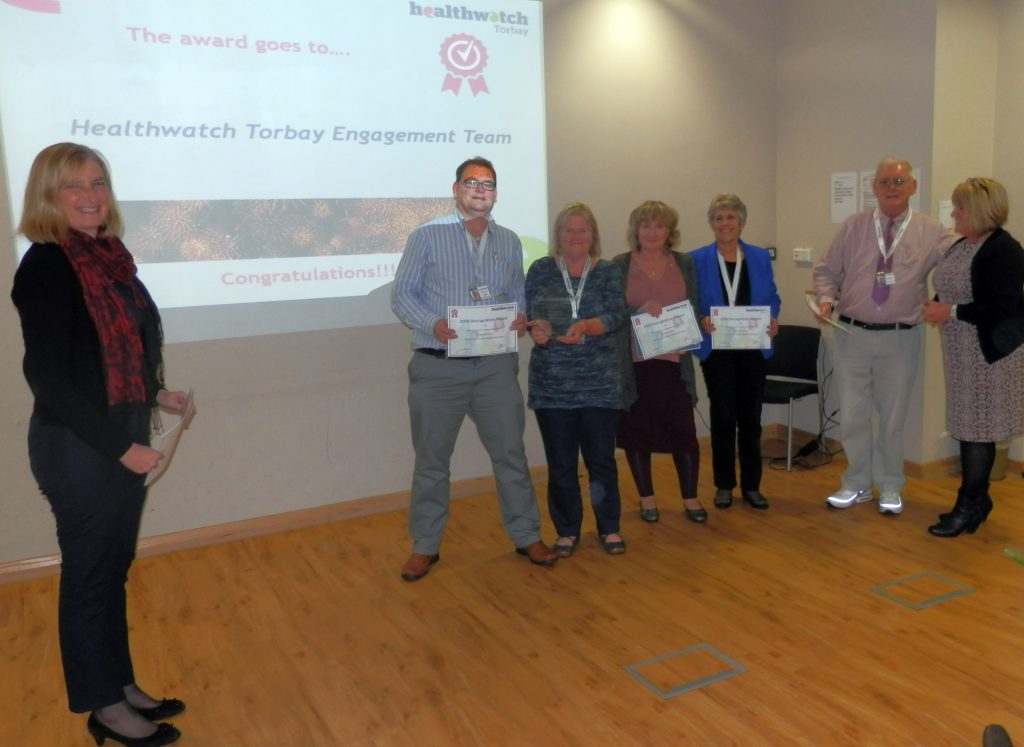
<point>164,734</point>
<point>959,521</point>
<point>166,708</point>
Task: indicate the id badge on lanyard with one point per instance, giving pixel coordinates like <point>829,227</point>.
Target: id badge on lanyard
<point>479,291</point>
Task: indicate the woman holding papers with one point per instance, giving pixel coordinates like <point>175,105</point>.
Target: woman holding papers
<point>731,274</point>
<point>661,420</point>
<point>979,303</point>
<point>578,384</point>
<point>93,363</point>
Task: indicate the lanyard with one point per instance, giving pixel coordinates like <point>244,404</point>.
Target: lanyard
<point>731,286</point>
<point>476,250</point>
<point>895,239</point>
<point>574,296</point>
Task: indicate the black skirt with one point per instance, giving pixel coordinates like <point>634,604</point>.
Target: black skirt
<point>661,420</point>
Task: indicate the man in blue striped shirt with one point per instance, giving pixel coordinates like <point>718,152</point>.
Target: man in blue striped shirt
<point>464,259</point>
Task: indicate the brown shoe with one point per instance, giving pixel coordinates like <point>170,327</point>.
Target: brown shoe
<point>538,553</point>
<point>418,566</point>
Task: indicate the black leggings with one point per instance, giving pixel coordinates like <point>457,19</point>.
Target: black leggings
<point>976,460</point>
<point>687,469</point>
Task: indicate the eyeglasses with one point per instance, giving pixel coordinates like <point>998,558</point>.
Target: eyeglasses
<point>487,186</point>
<point>885,183</point>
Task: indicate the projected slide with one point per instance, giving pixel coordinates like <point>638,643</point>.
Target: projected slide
<point>267,153</point>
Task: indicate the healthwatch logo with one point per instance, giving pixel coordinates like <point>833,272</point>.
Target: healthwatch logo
<point>464,56</point>
<point>37,6</point>
<point>462,13</point>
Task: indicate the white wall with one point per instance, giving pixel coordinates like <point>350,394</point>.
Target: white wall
<point>668,101</point>
<point>962,143</point>
<point>1008,155</point>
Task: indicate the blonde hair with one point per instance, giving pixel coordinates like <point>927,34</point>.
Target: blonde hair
<point>42,218</point>
<point>583,210</point>
<point>653,210</point>
<point>984,202</point>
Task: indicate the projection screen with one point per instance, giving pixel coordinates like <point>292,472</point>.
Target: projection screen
<point>272,157</point>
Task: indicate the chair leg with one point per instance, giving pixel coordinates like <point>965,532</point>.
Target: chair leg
<point>789,439</point>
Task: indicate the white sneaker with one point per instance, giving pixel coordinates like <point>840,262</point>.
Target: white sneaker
<point>890,503</point>
<point>846,498</point>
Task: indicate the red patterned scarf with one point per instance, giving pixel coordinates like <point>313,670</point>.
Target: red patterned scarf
<point>99,263</point>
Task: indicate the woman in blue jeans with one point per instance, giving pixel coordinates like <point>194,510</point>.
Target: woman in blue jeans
<point>93,362</point>
<point>578,385</point>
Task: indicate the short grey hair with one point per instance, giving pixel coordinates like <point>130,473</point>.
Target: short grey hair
<point>728,201</point>
<point>896,161</point>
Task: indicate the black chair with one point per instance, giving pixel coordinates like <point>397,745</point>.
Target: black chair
<point>792,372</point>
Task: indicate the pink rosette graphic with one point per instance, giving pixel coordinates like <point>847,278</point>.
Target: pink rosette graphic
<point>464,56</point>
<point>37,6</point>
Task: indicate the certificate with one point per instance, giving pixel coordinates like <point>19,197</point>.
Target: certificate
<point>482,330</point>
<point>165,440</point>
<point>741,327</point>
<point>676,329</point>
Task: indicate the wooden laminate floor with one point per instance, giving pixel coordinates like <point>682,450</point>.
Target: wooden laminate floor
<point>309,637</point>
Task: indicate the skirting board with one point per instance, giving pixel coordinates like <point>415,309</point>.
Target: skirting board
<point>21,570</point>
<point>939,468</point>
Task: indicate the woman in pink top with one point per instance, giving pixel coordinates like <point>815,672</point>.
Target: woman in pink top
<point>661,420</point>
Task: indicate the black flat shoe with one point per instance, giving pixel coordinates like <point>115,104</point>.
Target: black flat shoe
<point>564,551</point>
<point>696,515</point>
<point>164,734</point>
<point>723,498</point>
<point>650,515</point>
<point>755,499</point>
<point>166,708</point>
<point>613,547</point>
<point>995,736</point>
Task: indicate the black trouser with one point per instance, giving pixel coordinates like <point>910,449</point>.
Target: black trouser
<point>97,503</point>
<point>735,383</point>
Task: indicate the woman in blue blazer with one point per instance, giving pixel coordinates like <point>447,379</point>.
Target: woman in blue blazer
<point>733,273</point>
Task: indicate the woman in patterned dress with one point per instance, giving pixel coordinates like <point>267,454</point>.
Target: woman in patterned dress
<point>979,289</point>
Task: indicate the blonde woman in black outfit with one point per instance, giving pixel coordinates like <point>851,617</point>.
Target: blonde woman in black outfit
<point>93,362</point>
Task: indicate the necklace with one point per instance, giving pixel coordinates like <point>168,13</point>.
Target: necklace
<point>653,266</point>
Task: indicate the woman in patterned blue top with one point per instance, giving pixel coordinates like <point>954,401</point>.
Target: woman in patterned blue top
<point>578,385</point>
